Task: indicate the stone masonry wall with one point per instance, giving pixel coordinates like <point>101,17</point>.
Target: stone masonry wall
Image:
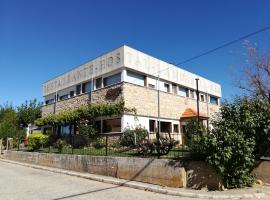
<point>172,106</point>
<point>142,98</point>
<point>108,94</point>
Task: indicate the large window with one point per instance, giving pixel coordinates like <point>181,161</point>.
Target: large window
<point>182,91</point>
<point>110,80</point>
<point>202,97</point>
<point>112,125</point>
<point>86,87</point>
<point>213,100</point>
<point>135,78</point>
<point>71,93</point>
<point>176,128</point>
<point>63,97</point>
<point>49,101</point>
<point>78,89</point>
<point>99,83</point>
<point>165,127</point>
<point>152,125</point>
<point>174,88</point>
<point>192,94</point>
<point>166,87</point>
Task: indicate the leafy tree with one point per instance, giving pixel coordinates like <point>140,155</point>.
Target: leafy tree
<point>8,122</point>
<point>240,134</point>
<point>28,112</point>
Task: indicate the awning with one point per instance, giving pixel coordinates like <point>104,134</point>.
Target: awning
<point>190,113</point>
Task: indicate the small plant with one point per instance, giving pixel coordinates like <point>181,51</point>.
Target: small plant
<point>60,145</point>
<point>132,137</point>
<point>36,141</point>
<point>99,143</point>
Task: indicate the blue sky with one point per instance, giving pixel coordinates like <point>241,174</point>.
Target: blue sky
<point>42,39</point>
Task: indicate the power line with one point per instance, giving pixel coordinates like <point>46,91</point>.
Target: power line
<point>219,47</point>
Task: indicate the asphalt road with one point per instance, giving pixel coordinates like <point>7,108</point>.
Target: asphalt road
<point>23,183</point>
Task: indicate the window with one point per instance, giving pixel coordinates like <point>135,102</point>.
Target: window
<point>86,87</point>
<point>151,86</point>
<point>99,83</point>
<point>110,80</point>
<point>71,93</point>
<point>202,97</point>
<point>192,94</point>
<point>65,130</point>
<point>63,97</point>
<point>167,87</point>
<point>213,100</point>
<point>174,88</point>
<point>135,78</point>
<point>165,127</point>
<point>78,89</point>
<point>49,101</point>
<point>182,91</point>
<point>112,125</point>
<point>176,128</point>
<point>187,92</point>
<point>152,125</point>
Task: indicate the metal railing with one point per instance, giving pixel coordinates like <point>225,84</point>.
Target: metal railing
<point>106,144</point>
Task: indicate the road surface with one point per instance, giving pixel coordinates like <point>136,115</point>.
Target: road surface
<point>23,183</point>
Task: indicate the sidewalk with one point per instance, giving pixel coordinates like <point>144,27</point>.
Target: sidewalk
<point>246,193</point>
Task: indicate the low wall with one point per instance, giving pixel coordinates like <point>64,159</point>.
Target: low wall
<point>262,171</point>
<point>157,171</point>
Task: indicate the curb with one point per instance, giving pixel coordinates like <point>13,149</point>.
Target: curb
<point>139,185</point>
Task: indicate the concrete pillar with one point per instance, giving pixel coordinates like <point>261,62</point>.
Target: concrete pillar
<point>123,75</point>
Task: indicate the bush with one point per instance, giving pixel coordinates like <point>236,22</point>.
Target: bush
<point>88,132</point>
<point>36,141</point>
<point>230,147</point>
<point>195,139</point>
<point>99,143</point>
<point>131,137</point>
<point>59,145</point>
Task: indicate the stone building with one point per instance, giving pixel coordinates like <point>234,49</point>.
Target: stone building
<point>133,75</point>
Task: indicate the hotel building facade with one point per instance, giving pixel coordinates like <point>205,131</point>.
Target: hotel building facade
<point>132,75</point>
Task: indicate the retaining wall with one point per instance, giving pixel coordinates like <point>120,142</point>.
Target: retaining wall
<point>157,171</point>
<point>262,171</point>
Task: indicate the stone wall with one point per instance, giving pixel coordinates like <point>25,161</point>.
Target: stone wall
<point>108,94</point>
<point>172,106</point>
<point>142,98</point>
<point>157,171</point>
<point>262,171</point>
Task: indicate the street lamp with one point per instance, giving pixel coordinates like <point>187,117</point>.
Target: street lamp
<point>198,99</point>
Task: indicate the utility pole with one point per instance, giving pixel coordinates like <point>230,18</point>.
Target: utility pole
<point>158,131</point>
<point>198,100</point>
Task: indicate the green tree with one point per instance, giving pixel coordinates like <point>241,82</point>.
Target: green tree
<point>8,122</point>
<point>28,112</point>
<point>240,134</point>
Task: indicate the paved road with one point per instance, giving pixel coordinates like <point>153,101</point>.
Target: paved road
<point>23,183</point>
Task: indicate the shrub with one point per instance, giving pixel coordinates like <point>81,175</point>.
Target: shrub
<point>60,144</point>
<point>230,147</point>
<point>131,137</point>
<point>36,141</point>
<point>88,132</point>
<point>195,139</point>
<point>99,143</point>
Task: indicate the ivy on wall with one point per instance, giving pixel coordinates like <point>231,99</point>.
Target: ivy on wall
<point>87,113</point>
